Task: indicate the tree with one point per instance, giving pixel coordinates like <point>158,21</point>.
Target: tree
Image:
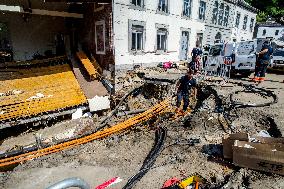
<point>273,8</point>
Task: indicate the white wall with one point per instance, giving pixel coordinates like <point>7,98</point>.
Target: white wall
<point>35,35</point>
<point>270,32</point>
<point>230,32</point>
<point>239,33</point>
<point>122,13</point>
<point>212,29</point>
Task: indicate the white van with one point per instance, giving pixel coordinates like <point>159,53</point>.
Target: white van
<point>241,56</point>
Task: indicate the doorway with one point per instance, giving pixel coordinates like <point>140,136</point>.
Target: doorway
<point>184,45</point>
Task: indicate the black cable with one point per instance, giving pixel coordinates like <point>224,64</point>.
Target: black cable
<point>160,138</point>
<point>104,121</point>
<point>252,89</point>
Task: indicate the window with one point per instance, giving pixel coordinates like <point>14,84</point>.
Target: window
<point>136,36</point>
<point>187,8</point>
<point>162,39</point>
<point>100,37</point>
<point>237,24</point>
<point>202,10</point>
<point>226,17</point>
<point>163,6</point>
<point>138,3</point>
<point>264,32</point>
<point>276,32</point>
<point>221,14</point>
<point>215,13</point>
<point>251,25</point>
<point>245,22</point>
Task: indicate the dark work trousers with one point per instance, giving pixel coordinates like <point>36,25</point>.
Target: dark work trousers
<point>261,68</point>
<point>185,96</point>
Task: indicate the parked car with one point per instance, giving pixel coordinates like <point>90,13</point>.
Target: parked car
<point>278,58</point>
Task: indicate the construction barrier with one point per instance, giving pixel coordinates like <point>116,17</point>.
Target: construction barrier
<point>218,66</point>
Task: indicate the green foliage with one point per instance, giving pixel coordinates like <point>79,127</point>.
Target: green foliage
<point>261,17</point>
<point>273,8</point>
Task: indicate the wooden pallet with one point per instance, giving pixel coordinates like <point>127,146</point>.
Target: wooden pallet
<point>29,92</point>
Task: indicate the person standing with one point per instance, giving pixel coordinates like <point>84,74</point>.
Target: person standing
<point>196,52</point>
<point>184,86</point>
<point>195,63</point>
<point>263,60</point>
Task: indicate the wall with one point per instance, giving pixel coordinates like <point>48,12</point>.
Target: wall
<point>212,29</point>
<point>35,35</point>
<point>122,13</point>
<point>229,32</point>
<point>239,33</point>
<point>270,32</point>
<point>88,34</point>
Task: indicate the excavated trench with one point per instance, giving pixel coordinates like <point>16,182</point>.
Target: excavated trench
<point>203,126</point>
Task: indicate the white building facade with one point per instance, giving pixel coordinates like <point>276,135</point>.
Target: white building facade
<point>271,30</point>
<point>229,21</point>
<point>147,32</point>
<point>152,31</point>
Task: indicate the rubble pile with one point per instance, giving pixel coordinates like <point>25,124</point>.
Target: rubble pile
<point>193,144</point>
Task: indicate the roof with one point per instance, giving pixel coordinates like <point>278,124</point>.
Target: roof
<point>244,4</point>
<point>270,24</point>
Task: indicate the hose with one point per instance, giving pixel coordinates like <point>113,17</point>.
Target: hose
<point>160,138</point>
<point>149,114</point>
<point>252,89</point>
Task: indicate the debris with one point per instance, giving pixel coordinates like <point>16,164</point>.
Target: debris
<point>248,146</point>
<point>263,134</point>
<point>99,103</point>
<point>88,114</point>
<point>171,182</point>
<point>109,183</point>
<point>175,183</point>
<point>78,114</point>
<point>229,142</point>
<point>189,181</point>
<point>38,95</point>
<point>263,157</point>
<point>259,152</point>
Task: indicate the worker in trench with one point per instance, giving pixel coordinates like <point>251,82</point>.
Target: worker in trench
<point>186,87</point>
